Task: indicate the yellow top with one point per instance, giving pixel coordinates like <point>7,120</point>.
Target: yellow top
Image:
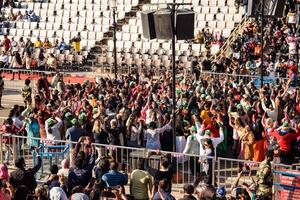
<point>76,46</point>
<point>140,183</point>
<point>38,44</point>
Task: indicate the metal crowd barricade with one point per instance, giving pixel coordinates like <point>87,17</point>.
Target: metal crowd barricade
<point>228,170</point>
<point>286,184</point>
<point>54,151</point>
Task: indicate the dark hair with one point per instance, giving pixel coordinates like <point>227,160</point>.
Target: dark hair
<point>140,164</point>
<point>18,58</point>
<point>163,184</point>
<point>80,159</point>
<point>152,125</point>
<point>114,165</point>
<point>19,163</point>
<point>270,154</point>
<point>189,189</point>
<point>165,162</point>
<point>77,189</point>
<point>27,81</point>
<point>41,55</point>
<point>21,192</point>
<point>54,169</point>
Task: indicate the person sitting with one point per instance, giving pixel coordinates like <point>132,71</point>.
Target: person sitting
<point>4,59</point>
<point>47,44</point>
<point>63,45</point>
<point>26,16</point>
<point>38,43</point>
<point>33,17</point>
<point>52,62</point>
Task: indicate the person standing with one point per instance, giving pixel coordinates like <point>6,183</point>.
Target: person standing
<point>16,65</point>
<point>26,93</point>
<point>22,176</point>
<point>141,182</point>
<point>265,176</point>
<point>1,90</point>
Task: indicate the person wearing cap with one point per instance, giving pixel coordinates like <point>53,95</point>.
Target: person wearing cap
<point>285,135</point>
<point>192,147</point>
<point>207,134</point>
<point>52,127</point>
<point>264,175</point>
<point>75,132</point>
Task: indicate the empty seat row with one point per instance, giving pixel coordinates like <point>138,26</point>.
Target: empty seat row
<point>57,34</point>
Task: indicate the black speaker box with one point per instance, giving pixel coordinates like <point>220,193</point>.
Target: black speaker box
<point>185,23</point>
<point>272,8</point>
<point>148,24</point>
<point>163,24</point>
<point>276,8</point>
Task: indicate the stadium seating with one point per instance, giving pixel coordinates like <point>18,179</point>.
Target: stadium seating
<point>218,16</point>
<point>92,19</point>
<point>69,18</point>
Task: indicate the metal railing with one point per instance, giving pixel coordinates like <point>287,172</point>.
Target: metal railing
<point>234,34</point>
<point>237,78</point>
<point>185,167</point>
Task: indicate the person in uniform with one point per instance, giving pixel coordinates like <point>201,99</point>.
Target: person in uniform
<point>1,90</point>
<point>265,176</point>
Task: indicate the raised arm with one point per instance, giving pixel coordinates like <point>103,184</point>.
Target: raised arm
<point>219,139</point>
<point>164,128</point>
<point>37,167</point>
<point>188,145</point>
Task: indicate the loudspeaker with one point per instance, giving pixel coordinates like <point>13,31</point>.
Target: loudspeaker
<point>163,24</point>
<point>253,8</point>
<point>185,23</point>
<point>276,8</point>
<point>148,24</point>
<point>271,8</point>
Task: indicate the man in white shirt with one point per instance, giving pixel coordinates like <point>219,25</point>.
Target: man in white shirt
<point>53,127</point>
<point>3,59</point>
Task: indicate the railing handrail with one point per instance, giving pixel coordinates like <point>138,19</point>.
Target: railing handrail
<point>107,146</point>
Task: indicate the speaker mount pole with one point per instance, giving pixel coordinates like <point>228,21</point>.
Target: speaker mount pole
<point>173,10</point>
<point>174,77</point>
<point>262,45</point>
<point>114,8</point>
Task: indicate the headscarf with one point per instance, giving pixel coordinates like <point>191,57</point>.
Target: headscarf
<point>56,193</point>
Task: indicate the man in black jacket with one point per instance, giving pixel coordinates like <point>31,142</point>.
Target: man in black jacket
<point>22,176</point>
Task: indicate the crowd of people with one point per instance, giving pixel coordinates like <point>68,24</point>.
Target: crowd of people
<point>215,116</point>
<point>37,55</point>
<point>281,41</point>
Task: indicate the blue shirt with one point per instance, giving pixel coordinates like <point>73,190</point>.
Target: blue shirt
<point>115,178</point>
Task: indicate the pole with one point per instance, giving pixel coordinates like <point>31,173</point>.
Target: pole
<point>115,41</point>
<point>262,45</point>
<point>173,78</point>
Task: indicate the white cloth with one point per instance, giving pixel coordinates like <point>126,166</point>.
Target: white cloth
<point>215,141</point>
<point>56,193</point>
<point>180,146</point>
<point>55,135</point>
